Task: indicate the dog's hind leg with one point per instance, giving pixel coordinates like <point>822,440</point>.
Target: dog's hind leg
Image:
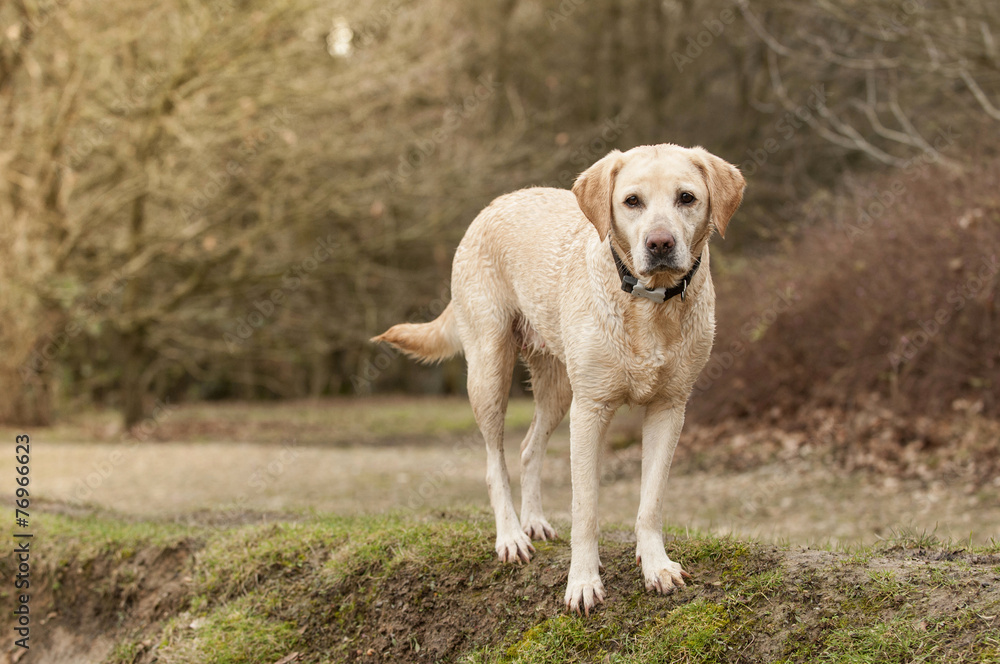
<point>552,392</point>
<point>491,355</point>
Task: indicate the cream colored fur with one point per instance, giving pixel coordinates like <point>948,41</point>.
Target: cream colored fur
<point>531,276</point>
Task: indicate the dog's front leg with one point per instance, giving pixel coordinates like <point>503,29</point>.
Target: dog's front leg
<point>660,432</point>
<point>588,422</point>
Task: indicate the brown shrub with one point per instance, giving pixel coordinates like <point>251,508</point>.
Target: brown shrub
<point>890,289</point>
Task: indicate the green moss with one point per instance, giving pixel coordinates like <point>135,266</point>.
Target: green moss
<point>245,557</point>
<point>559,639</point>
<point>696,631</point>
<point>339,547</point>
<point>238,632</point>
<point>731,559</point>
<point>693,632</point>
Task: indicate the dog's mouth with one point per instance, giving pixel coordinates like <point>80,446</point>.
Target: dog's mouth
<point>667,268</point>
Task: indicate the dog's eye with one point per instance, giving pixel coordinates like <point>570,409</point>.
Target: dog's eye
<point>686,198</point>
<point>632,201</point>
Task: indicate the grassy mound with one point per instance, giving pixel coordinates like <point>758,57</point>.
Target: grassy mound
<point>329,589</point>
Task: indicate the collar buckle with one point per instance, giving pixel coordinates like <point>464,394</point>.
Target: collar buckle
<point>630,284</point>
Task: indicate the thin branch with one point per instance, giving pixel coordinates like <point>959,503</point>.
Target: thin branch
<point>909,135</point>
<point>829,55</point>
<point>905,123</point>
<point>847,138</point>
<point>864,27</point>
<point>989,44</point>
<point>978,93</point>
<point>869,106</point>
<point>932,52</point>
<point>758,28</point>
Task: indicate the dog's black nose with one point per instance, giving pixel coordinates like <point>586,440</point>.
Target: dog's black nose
<point>659,243</point>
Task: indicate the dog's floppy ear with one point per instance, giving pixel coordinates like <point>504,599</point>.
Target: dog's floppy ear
<point>593,191</point>
<point>725,188</point>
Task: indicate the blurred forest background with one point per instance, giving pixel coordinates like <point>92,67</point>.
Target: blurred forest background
<point>224,199</point>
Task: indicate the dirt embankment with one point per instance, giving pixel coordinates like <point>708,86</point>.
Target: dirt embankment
<point>82,606</point>
<point>393,590</point>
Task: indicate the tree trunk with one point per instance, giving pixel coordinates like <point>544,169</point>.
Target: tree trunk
<point>501,58</point>
<point>133,363</point>
<point>27,402</point>
<point>319,377</point>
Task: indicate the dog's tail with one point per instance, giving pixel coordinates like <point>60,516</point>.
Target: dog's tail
<point>428,342</point>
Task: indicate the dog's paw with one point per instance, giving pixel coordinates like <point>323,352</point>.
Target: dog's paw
<point>665,577</point>
<point>537,528</point>
<point>514,548</point>
<point>584,594</point>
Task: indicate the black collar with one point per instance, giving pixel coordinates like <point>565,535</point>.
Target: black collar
<point>631,285</point>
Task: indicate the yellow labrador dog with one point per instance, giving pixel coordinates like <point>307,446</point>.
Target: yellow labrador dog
<point>607,295</point>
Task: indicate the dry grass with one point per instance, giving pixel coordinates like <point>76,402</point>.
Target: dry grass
<point>892,291</point>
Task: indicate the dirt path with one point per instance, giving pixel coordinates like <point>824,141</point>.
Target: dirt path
<point>798,503</point>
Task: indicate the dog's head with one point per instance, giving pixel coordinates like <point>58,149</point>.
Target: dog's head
<point>660,204</point>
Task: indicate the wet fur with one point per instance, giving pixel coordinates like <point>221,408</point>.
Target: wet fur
<point>532,277</point>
